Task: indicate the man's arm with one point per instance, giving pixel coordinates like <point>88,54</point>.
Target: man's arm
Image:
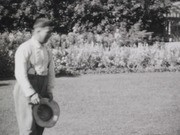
<point>21,60</point>
<point>51,76</point>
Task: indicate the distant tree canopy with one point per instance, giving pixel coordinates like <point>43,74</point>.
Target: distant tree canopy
<point>84,15</point>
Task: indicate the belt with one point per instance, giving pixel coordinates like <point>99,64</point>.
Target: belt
<point>32,71</point>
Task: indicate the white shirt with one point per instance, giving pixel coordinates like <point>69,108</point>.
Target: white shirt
<point>33,53</point>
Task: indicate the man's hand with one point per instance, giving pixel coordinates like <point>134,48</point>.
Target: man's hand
<point>35,98</point>
<point>50,96</point>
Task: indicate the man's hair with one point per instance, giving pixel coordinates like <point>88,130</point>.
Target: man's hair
<point>42,22</point>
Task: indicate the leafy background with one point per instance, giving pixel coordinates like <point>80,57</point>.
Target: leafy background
<point>92,36</point>
<point>86,15</point>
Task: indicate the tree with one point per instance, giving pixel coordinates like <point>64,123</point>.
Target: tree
<point>21,14</point>
<point>84,15</point>
<point>153,17</point>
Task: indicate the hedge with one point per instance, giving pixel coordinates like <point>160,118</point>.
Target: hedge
<point>94,53</point>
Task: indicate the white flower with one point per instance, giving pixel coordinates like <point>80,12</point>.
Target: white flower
<point>11,37</point>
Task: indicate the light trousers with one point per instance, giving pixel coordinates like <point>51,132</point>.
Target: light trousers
<point>23,108</point>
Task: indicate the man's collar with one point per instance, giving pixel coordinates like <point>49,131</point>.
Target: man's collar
<point>36,42</point>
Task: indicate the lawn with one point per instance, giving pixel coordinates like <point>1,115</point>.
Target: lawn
<point>119,104</point>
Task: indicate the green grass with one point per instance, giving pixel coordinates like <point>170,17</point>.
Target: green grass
<point>119,104</point>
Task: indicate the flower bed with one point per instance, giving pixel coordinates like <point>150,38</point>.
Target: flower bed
<point>83,53</point>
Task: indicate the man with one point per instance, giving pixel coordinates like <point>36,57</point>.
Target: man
<point>34,72</point>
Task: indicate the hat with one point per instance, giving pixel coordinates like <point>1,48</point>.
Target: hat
<point>42,22</point>
<point>46,113</point>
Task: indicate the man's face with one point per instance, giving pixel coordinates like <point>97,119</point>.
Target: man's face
<point>45,34</point>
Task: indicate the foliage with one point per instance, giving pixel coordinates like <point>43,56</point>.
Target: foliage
<point>90,58</point>
<point>94,55</point>
<point>83,53</point>
<point>97,16</point>
<point>153,17</point>
<point>21,14</point>
<point>8,45</point>
<point>5,62</point>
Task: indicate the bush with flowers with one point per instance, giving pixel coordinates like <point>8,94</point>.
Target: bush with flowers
<point>99,54</point>
<point>76,53</point>
<point>8,45</point>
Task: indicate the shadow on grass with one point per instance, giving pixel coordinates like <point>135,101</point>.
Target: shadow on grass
<point>7,78</point>
<point>64,73</point>
<point>4,84</point>
<point>67,75</point>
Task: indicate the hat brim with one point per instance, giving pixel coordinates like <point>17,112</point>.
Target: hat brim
<point>55,110</point>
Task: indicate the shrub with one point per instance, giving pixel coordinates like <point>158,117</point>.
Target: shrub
<point>8,45</point>
<point>86,53</point>
<point>96,58</point>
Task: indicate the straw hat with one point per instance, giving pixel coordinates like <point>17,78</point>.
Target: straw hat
<point>46,114</point>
